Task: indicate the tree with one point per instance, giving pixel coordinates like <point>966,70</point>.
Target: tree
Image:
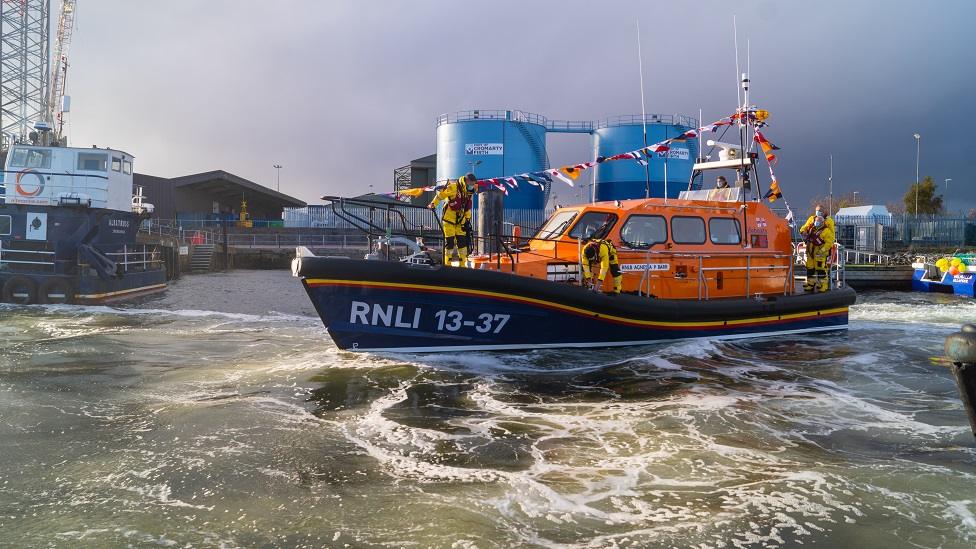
<point>928,201</point>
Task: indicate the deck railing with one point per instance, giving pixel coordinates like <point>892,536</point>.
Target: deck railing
<point>139,258</point>
<point>11,256</point>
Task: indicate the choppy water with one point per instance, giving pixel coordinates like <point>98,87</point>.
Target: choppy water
<point>220,415</point>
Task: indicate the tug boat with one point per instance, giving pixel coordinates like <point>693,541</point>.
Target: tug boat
<point>68,224</point>
<point>692,268</point>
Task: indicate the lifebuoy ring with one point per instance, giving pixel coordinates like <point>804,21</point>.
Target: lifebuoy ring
<point>56,291</point>
<point>40,183</point>
<point>20,290</point>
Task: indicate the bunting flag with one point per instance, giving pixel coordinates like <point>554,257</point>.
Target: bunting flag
<point>558,174</point>
<point>539,179</point>
<point>773,194</point>
<point>657,148</point>
<point>767,147</point>
<point>414,192</point>
<point>573,172</point>
<point>790,219</point>
<point>511,182</point>
<point>633,155</point>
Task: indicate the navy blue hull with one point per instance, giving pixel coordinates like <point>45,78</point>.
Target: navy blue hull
<point>375,306</point>
<point>74,254</point>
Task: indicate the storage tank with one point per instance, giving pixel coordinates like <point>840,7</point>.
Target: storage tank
<point>494,143</point>
<point>625,179</point>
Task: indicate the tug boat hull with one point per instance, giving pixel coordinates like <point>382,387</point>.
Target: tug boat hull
<point>397,307</point>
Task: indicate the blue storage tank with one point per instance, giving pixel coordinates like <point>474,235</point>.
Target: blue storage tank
<point>494,143</point>
<point>625,179</point>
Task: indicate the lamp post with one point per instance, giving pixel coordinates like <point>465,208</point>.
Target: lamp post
<point>948,179</point>
<point>277,168</point>
<point>918,151</point>
<point>855,198</point>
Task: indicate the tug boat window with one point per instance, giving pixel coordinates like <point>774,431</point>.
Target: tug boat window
<point>591,222</point>
<point>642,231</point>
<point>4,225</point>
<point>687,230</point>
<point>127,167</point>
<point>92,162</point>
<point>556,225</point>
<point>724,230</point>
<point>30,158</point>
<point>116,164</point>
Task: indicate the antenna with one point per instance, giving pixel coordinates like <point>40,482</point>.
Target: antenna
<point>830,187</point>
<point>735,40</point>
<point>647,169</point>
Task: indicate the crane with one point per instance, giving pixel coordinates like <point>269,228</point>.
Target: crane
<point>57,104</point>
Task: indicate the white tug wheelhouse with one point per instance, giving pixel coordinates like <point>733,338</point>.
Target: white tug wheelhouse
<point>69,176</point>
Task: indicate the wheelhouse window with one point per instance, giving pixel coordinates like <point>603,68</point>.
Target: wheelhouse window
<point>643,231</point>
<point>30,158</point>
<point>724,230</point>
<point>591,222</point>
<point>127,167</point>
<point>556,225</point>
<point>116,164</point>
<point>687,230</point>
<point>5,225</point>
<point>92,162</point>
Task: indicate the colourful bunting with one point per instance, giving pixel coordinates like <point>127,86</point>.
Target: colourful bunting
<point>767,147</point>
<point>569,173</point>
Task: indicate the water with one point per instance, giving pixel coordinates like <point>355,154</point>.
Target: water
<point>220,415</point>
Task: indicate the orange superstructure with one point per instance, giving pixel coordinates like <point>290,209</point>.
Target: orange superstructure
<point>679,249</point>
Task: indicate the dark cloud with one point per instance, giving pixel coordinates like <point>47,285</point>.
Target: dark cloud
<point>342,92</point>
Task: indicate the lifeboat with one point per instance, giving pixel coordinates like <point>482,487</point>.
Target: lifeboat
<point>696,267</point>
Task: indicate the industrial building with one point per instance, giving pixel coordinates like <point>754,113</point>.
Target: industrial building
<point>213,197</point>
<point>496,143</point>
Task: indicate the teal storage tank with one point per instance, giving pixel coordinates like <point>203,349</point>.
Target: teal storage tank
<point>625,179</point>
<point>494,143</point>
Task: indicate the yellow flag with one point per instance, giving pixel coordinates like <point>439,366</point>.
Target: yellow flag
<point>571,172</point>
<point>414,192</point>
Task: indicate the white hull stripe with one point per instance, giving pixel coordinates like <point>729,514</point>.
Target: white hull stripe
<point>515,346</point>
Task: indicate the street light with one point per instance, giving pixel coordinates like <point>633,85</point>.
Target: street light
<point>948,179</point>
<point>918,151</point>
<point>277,168</point>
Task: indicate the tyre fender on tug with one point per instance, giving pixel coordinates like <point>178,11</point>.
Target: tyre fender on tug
<point>56,291</point>
<point>20,290</point>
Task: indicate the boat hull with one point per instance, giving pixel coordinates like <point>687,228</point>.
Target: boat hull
<point>386,306</point>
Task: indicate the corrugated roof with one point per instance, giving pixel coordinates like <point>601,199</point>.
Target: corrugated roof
<point>225,181</point>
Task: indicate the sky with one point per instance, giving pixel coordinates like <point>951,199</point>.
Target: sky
<point>342,92</point>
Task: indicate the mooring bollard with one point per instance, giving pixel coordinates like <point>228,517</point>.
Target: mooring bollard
<point>960,349</point>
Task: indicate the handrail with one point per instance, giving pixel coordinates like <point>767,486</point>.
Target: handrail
<point>702,279</point>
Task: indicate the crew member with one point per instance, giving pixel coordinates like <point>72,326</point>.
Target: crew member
<point>818,233</point>
<point>602,251</point>
<point>457,216</point>
<point>721,183</point>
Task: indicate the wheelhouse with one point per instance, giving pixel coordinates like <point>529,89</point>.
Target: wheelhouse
<point>682,249</point>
